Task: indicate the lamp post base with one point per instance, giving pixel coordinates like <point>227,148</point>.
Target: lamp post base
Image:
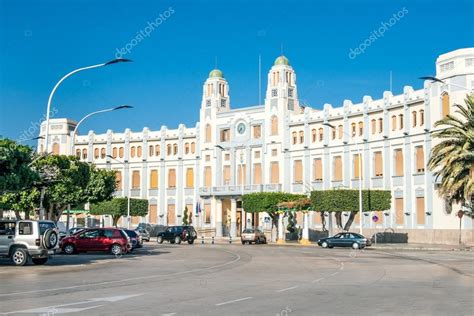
<point>281,241</point>
<point>304,242</point>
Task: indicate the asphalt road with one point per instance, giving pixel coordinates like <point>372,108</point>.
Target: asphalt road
<point>243,280</point>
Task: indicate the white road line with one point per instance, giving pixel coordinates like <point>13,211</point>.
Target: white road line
<point>317,280</point>
<point>334,273</point>
<point>129,279</point>
<point>169,314</point>
<point>234,301</point>
<point>287,289</point>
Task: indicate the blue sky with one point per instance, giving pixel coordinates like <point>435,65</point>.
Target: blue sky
<point>43,40</point>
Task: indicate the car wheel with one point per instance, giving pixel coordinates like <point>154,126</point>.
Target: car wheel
<point>177,240</point>
<point>116,249</point>
<point>355,246</point>
<point>69,249</point>
<point>324,244</point>
<point>39,261</point>
<point>159,239</point>
<point>191,241</point>
<point>19,257</point>
<point>50,239</point>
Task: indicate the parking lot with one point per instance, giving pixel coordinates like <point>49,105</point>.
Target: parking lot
<point>242,280</point>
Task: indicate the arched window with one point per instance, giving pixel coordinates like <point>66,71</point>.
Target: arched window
<point>373,126</point>
<point>168,149</point>
<point>175,149</point>
<point>96,153</point>
<point>294,137</point>
<point>102,153</point>
<point>151,150</point>
<point>413,118</point>
<point>361,128</point>
<point>121,152</point>
<point>400,116</point>
<point>132,151</point>
<point>380,125</point>
<point>208,132</point>
<point>444,105</point>
<point>84,153</point>
<point>321,134</point>
<point>301,137</point>
<point>353,129</point>
<point>157,150</point>
<point>422,117</point>
<point>274,125</point>
<point>55,148</point>
<point>118,180</point>
<point>114,152</point>
<point>78,153</point>
<point>394,122</point>
<point>193,147</point>
<point>139,151</point>
<point>333,132</point>
<point>186,148</point>
<point>313,135</point>
<point>340,129</point>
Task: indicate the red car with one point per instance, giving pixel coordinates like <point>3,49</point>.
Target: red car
<point>111,240</point>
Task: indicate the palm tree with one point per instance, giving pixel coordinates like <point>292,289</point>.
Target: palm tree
<point>452,159</point>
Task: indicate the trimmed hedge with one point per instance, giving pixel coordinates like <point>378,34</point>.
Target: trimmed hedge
<point>117,207</point>
<point>342,200</point>
<point>266,201</point>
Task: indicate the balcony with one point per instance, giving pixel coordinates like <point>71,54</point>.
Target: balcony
<point>238,189</point>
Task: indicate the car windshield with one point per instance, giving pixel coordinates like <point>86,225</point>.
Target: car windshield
<point>249,231</point>
<point>131,233</point>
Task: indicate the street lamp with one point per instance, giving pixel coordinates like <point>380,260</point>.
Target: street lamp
<point>91,114</point>
<point>360,174</point>
<point>115,61</point>
<point>434,79</point>
<point>128,195</point>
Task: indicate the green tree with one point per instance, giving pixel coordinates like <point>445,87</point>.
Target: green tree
<point>185,216</point>
<point>22,201</point>
<point>117,207</point>
<point>452,159</point>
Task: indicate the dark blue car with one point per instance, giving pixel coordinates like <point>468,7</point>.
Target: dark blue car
<point>354,240</point>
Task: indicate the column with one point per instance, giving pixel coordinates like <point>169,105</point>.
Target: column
<point>233,217</point>
<point>305,237</point>
<point>218,216</point>
<point>281,236</point>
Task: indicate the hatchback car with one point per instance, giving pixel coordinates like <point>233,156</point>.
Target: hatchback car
<point>253,235</point>
<point>353,240</point>
<point>143,233</point>
<point>111,240</point>
<point>135,238</point>
<point>176,234</point>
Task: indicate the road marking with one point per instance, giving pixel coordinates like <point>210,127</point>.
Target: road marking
<point>317,280</point>
<point>287,289</point>
<point>234,301</point>
<point>237,258</point>
<point>334,273</point>
<point>169,314</point>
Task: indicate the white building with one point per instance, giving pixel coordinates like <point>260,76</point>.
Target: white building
<point>280,146</point>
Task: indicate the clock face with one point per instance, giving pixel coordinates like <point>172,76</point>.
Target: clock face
<point>241,128</point>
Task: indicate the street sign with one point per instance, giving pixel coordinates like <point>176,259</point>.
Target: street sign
<point>375,218</point>
<point>460,214</point>
<point>267,220</point>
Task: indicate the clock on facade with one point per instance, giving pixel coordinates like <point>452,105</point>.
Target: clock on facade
<point>241,128</point>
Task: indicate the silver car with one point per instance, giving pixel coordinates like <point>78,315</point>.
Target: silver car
<point>24,239</point>
<point>253,235</point>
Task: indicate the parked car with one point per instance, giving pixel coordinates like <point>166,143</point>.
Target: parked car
<point>143,233</point>
<point>348,239</point>
<point>253,235</point>
<point>112,240</point>
<point>153,230</point>
<point>135,238</point>
<point>24,239</point>
<point>74,230</point>
<point>177,234</point>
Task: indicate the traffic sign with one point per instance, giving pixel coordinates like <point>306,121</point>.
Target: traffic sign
<point>375,218</point>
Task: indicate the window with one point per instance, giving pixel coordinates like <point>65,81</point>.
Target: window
<point>55,149</point>
<point>422,117</point>
<point>223,103</point>
<point>189,178</point>
<point>227,157</point>
<point>333,133</point>
<point>298,171</point>
<point>361,128</point>
<point>208,103</point>
<point>290,93</point>
<point>357,166</point>
<point>241,174</point>
<point>151,150</point>
<point>114,152</point>
<point>313,135</point>
<point>186,148</point>
<point>207,176</point>
<point>420,210</point>
<point>257,154</point>
<point>208,132</point>
<point>380,125</point>
<point>193,147</point>
<point>139,151</point>
<point>118,180</point>
<point>274,172</point>
<point>207,213</point>
<point>353,129</point>
<point>378,164</point>
<point>394,122</point>
<point>132,151</point>
<point>157,150</point>
<point>96,153</point>
<point>444,105</point>
<point>225,135</point>
<point>226,174</point>
<point>337,168</point>
<point>317,169</point>
<point>320,134</point>
<point>171,178</point>
<point>257,131</point>
<point>136,179</point>
<point>413,118</point>
<point>257,173</point>
<point>171,214</point>
<point>420,159</point>
<point>175,149</point>
<point>399,211</point>
<point>84,153</point>
<point>274,92</point>
<point>154,179</point>
<point>25,228</point>
<point>398,163</point>
<point>400,116</point>
<point>168,149</point>
<point>274,125</point>
<point>78,153</point>
<point>294,136</point>
<point>301,137</point>
<point>373,126</point>
<point>7,228</point>
<point>102,153</point>
<point>340,132</point>
<point>274,152</point>
<point>207,158</point>
<point>121,152</point>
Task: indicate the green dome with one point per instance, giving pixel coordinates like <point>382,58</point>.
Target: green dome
<point>216,73</point>
<point>282,60</point>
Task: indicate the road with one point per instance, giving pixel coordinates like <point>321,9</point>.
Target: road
<point>243,280</point>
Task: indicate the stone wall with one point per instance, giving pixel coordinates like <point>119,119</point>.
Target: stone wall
<point>432,236</point>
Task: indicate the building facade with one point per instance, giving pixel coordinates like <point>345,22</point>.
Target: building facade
<point>282,146</point>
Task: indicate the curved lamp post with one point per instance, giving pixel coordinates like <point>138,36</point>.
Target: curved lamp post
<point>434,79</point>
<point>359,152</point>
<point>121,107</point>
<point>115,61</point>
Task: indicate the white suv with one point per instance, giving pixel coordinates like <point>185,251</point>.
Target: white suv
<point>24,239</point>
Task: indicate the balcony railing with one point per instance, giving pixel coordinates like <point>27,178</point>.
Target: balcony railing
<point>238,189</point>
